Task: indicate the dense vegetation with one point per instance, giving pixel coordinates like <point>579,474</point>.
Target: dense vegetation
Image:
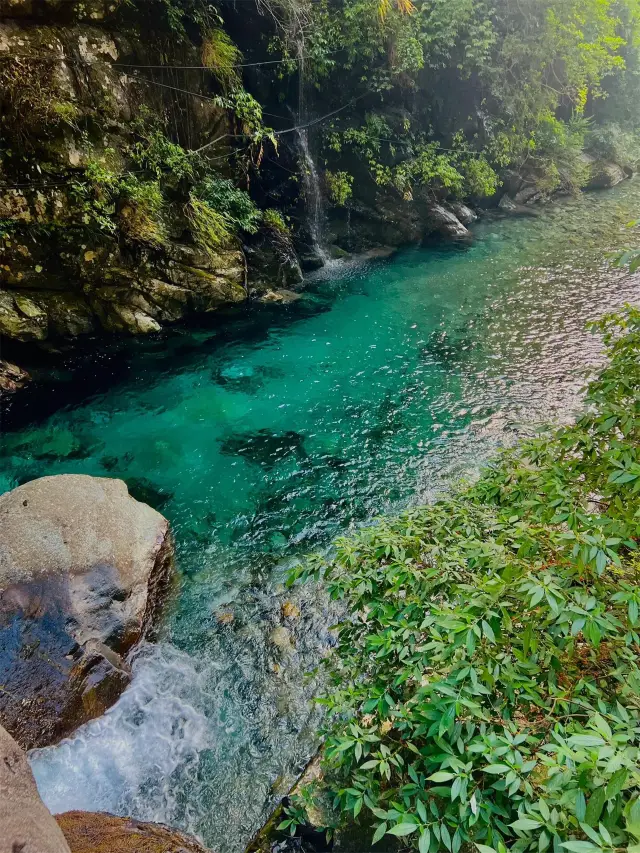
<point>465,88</point>
<point>405,97</point>
<point>486,685</point>
<point>448,95</point>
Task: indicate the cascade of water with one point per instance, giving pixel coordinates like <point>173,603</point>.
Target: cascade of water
<point>310,178</point>
<point>313,196</point>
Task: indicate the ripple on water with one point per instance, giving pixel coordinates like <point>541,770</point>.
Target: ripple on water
<point>262,439</point>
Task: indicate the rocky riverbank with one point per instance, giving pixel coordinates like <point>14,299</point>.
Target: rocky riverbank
<point>125,204</point>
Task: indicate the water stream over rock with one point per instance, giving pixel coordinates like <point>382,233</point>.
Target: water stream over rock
<point>261,439</point>
<point>313,197</point>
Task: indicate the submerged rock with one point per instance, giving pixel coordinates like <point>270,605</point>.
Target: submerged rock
<point>26,823</point>
<point>97,832</point>
<point>83,570</point>
<point>12,377</point>
<point>283,296</point>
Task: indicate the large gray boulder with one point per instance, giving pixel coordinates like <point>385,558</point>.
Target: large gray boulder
<point>83,570</point>
<point>446,222</point>
<point>26,824</point>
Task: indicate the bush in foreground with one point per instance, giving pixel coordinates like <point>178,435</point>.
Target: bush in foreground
<point>486,690</point>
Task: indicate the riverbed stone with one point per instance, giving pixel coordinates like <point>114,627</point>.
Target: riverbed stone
<point>12,377</point>
<point>26,823</point>
<point>98,832</point>
<point>83,571</point>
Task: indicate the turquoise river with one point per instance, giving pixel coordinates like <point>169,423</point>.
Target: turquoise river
<point>264,436</point>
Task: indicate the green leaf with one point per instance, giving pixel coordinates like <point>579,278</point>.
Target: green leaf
<point>402,829</point>
<point>484,848</point>
<point>585,740</point>
<point>616,783</point>
<point>380,831</point>
<point>579,846</point>
<point>441,776</point>
<point>581,806</point>
<point>487,630</point>
<point>496,768</point>
<point>425,839</point>
<point>595,806</point>
<point>525,823</point>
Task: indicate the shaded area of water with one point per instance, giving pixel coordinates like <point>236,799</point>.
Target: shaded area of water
<point>262,440</point>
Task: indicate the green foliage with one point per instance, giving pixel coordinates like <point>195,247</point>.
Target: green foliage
<point>556,150</point>
<point>140,213</point>
<point>273,219</point>
<point>486,685</point>
<point>339,186</point>
<point>232,204</point>
<point>210,228</point>
<point>611,142</point>
<point>497,80</point>
<point>480,177</point>
<point>221,55</point>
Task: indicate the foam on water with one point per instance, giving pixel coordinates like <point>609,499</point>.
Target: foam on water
<point>261,439</point>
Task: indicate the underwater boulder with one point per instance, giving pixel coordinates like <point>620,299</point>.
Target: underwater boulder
<point>84,568</point>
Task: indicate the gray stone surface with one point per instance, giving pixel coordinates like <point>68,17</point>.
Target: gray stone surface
<point>25,823</point>
<point>83,570</point>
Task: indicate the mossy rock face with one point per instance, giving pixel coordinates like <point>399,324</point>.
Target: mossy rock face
<point>97,832</point>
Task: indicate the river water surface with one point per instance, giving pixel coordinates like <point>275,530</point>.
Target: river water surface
<point>264,437</point>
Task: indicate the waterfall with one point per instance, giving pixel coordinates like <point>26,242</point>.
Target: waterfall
<point>310,178</point>
<point>313,196</point>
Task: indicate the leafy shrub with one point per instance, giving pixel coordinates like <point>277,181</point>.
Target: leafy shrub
<point>486,686</point>
<point>339,186</point>
<point>480,179</point>
<point>611,142</point>
<point>221,55</point>
<point>273,219</point>
<point>558,148</point>
<point>210,228</point>
<point>233,204</point>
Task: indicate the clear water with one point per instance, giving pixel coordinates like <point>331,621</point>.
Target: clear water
<point>262,438</point>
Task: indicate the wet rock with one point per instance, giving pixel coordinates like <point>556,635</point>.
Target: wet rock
<point>12,377</point>
<point>27,826</point>
<point>281,637</point>
<point>21,318</point>
<point>603,174</point>
<point>311,260</point>
<point>462,212</point>
<point>446,222</point>
<point>282,296</point>
<point>507,203</point>
<point>272,260</point>
<point>83,570</point>
<point>528,195</point>
<point>98,832</point>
